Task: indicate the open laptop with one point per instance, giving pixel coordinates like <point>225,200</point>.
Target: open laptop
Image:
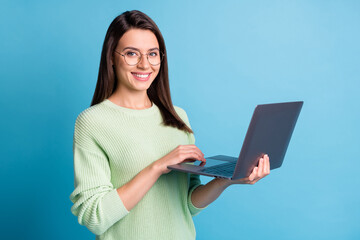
<point>269,133</point>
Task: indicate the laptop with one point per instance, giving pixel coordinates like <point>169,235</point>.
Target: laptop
<point>269,132</point>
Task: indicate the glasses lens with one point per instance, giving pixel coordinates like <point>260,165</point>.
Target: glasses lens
<point>154,57</point>
<point>132,57</point>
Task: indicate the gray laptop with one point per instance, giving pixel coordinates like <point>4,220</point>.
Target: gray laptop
<point>269,133</point>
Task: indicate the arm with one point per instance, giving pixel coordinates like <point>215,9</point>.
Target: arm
<point>97,204</point>
<point>95,200</point>
<point>134,190</point>
<point>206,194</point>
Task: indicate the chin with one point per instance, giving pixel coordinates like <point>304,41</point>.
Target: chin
<point>141,88</point>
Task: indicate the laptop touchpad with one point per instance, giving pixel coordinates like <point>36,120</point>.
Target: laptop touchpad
<point>209,163</point>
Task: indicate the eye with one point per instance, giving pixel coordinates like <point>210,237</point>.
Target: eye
<point>132,54</point>
<point>153,54</point>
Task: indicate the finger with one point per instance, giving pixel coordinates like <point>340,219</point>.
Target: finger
<point>192,155</point>
<point>260,168</point>
<point>193,146</point>
<point>253,174</point>
<point>202,164</point>
<point>253,182</point>
<point>196,151</point>
<point>267,165</point>
<point>200,157</point>
<point>189,160</point>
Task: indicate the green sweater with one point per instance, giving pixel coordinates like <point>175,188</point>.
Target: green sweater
<point>112,144</point>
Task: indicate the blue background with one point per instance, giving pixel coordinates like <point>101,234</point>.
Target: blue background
<point>224,59</point>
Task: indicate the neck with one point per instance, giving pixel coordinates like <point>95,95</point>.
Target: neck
<point>134,100</point>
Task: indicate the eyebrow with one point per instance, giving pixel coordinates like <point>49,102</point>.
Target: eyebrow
<point>139,49</point>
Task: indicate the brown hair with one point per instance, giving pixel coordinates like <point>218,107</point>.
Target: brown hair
<point>159,91</point>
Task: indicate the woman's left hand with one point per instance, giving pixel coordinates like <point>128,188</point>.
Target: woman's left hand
<point>259,172</point>
<point>206,194</point>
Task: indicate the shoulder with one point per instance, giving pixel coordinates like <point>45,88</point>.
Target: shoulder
<point>181,112</point>
<point>88,124</point>
<point>89,116</point>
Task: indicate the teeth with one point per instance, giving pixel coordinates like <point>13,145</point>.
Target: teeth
<point>141,76</point>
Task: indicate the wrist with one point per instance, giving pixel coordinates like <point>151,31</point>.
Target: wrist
<point>157,168</point>
<point>222,183</point>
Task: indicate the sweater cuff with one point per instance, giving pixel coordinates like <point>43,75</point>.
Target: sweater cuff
<point>193,210</point>
<point>114,208</point>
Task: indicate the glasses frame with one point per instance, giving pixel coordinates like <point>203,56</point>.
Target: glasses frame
<point>140,58</point>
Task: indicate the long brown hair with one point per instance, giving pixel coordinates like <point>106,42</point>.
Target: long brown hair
<point>159,91</point>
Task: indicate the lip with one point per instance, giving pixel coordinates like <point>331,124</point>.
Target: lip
<point>141,73</point>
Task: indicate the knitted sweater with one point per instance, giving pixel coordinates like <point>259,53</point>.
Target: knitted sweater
<point>112,144</point>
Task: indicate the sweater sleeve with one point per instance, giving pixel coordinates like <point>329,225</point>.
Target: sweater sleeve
<point>96,202</point>
<point>194,178</point>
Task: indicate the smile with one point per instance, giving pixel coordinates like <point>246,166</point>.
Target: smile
<point>141,76</point>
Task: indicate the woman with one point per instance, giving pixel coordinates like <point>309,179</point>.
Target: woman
<point>124,142</point>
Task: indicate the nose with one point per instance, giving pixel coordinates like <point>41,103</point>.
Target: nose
<point>144,63</point>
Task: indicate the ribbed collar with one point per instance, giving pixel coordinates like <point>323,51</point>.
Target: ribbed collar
<point>138,112</point>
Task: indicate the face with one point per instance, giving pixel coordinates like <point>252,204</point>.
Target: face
<point>140,76</point>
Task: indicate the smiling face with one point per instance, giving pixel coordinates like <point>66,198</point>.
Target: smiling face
<point>140,76</point>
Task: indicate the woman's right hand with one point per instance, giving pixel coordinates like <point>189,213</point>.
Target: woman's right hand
<point>182,153</point>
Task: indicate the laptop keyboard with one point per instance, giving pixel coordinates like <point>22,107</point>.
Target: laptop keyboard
<point>225,169</point>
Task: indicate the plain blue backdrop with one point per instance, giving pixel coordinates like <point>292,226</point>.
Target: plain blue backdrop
<point>225,57</point>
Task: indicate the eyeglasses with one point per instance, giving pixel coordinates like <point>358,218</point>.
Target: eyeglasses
<point>133,57</point>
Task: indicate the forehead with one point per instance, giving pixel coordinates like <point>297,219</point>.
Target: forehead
<point>138,38</point>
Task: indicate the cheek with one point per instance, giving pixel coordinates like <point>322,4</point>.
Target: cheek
<point>156,72</point>
<point>124,72</point>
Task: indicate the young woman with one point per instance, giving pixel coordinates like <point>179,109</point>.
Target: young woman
<point>124,142</point>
